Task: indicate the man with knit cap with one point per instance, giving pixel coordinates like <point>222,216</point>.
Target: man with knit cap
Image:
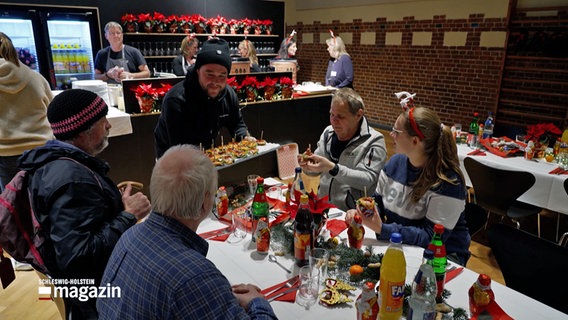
<point>81,211</point>
<point>194,110</point>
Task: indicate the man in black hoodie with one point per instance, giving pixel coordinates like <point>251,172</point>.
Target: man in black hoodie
<point>81,211</point>
<point>194,110</point>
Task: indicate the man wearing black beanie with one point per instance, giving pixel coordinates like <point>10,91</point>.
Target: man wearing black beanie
<point>81,211</point>
<point>194,111</point>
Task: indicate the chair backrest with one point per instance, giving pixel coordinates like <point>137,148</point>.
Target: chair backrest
<point>495,189</point>
<point>287,158</point>
<point>531,265</point>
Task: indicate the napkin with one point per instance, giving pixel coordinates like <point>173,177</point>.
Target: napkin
<point>289,297</point>
<point>558,171</point>
<point>477,152</point>
<point>336,226</point>
<point>453,273</point>
<point>217,235</point>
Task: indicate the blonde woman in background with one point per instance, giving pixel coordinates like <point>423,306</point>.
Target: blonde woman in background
<point>189,48</point>
<point>247,50</point>
<point>24,97</point>
<point>340,67</point>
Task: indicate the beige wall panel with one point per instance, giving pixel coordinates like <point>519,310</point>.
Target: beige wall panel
<point>308,38</point>
<point>393,38</point>
<point>541,3</point>
<point>494,39</point>
<point>455,39</point>
<point>421,38</point>
<point>368,38</point>
<point>452,9</point>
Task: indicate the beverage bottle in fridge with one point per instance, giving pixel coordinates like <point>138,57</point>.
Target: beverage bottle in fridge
<point>366,304</point>
<point>480,294</point>
<point>303,232</point>
<point>473,131</point>
<point>393,275</point>
<point>259,207</point>
<point>488,126</point>
<point>298,185</point>
<point>422,302</point>
<point>440,261</point>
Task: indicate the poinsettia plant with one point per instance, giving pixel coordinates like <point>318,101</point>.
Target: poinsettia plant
<point>286,82</point>
<point>128,17</point>
<point>161,91</point>
<point>268,82</point>
<point>145,91</point>
<point>233,83</point>
<point>543,132</point>
<point>249,82</point>
<point>147,20</point>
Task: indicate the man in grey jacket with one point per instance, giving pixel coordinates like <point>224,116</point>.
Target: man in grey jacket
<point>349,155</point>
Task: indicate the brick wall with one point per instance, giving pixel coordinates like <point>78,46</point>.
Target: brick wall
<point>453,65</point>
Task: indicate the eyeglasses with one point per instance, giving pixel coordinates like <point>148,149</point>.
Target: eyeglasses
<point>396,131</point>
<point>115,33</point>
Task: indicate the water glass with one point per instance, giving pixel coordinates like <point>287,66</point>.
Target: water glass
<point>239,226</point>
<point>521,138</point>
<point>308,293</point>
<point>319,259</point>
<point>251,180</point>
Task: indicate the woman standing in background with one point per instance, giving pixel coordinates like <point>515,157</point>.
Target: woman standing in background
<point>24,97</point>
<point>288,47</point>
<point>189,48</point>
<point>247,50</point>
<point>339,68</point>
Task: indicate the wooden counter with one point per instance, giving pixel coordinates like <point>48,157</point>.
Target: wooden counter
<point>299,120</point>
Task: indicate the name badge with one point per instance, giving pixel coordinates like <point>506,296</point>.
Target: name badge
<point>333,73</point>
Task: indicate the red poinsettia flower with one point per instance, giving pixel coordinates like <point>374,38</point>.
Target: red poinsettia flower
<point>268,82</point>
<point>128,17</point>
<point>249,82</point>
<point>232,82</point>
<point>161,92</point>
<point>158,17</point>
<point>542,132</point>
<point>172,18</point>
<point>145,91</point>
<point>285,81</point>
<point>246,22</point>
<point>144,17</point>
<point>267,22</point>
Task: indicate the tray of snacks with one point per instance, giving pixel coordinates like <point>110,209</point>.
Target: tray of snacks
<point>503,146</point>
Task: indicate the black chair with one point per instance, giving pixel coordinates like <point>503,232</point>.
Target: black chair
<point>497,190</point>
<point>533,266</point>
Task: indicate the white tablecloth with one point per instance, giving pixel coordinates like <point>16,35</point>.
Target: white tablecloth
<point>548,190</point>
<point>120,122</point>
<point>241,264</point>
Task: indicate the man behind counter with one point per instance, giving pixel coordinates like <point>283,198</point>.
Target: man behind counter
<point>119,61</point>
<point>194,110</point>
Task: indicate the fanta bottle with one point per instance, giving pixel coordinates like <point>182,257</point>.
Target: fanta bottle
<point>393,276</point>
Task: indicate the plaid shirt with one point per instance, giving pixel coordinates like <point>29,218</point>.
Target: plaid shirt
<point>162,272</point>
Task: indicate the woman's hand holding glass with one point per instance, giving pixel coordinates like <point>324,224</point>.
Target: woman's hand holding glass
<point>373,222</point>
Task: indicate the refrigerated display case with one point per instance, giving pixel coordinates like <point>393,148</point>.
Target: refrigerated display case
<point>60,42</point>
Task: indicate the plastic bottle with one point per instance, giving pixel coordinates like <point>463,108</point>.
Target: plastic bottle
<point>440,261</point>
<point>303,232</point>
<point>473,131</point>
<point>259,207</point>
<point>480,294</point>
<point>488,126</point>
<point>222,202</point>
<point>422,302</point>
<point>298,185</point>
<point>393,275</point>
<point>367,304</point>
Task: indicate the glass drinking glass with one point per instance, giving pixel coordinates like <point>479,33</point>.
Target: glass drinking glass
<point>308,293</point>
<point>239,224</point>
<point>251,180</point>
<point>319,258</point>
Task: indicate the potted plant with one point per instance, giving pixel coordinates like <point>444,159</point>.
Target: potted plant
<point>147,22</point>
<point>233,83</point>
<point>234,26</point>
<point>249,87</point>
<point>173,22</point>
<point>199,23</point>
<point>286,85</point>
<point>246,24</point>
<point>161,93</point>
<point>146,96</point>
<point>217,25</point>
<point>160,24</point>
<point>129,22</point>
<point>268,87</point>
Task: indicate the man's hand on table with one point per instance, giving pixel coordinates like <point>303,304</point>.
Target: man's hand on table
<point>245,293</point>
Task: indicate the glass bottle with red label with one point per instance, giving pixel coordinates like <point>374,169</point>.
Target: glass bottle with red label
<point>303,232</point>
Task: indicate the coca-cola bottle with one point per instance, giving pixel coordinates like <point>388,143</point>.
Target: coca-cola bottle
<point>259,207</point>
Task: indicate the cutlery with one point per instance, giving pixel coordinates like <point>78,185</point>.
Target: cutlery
<point>283,293</point>
<point>220,233</point>
<point>289,284</point>
<point>272,258</point>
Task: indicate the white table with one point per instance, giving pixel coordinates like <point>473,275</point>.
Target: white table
<point>119,121</point>
<point>240,263</point>
<point>548,190</point>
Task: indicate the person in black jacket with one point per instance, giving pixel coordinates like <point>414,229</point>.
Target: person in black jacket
<point>81,211</point>
<point>194,110</point>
